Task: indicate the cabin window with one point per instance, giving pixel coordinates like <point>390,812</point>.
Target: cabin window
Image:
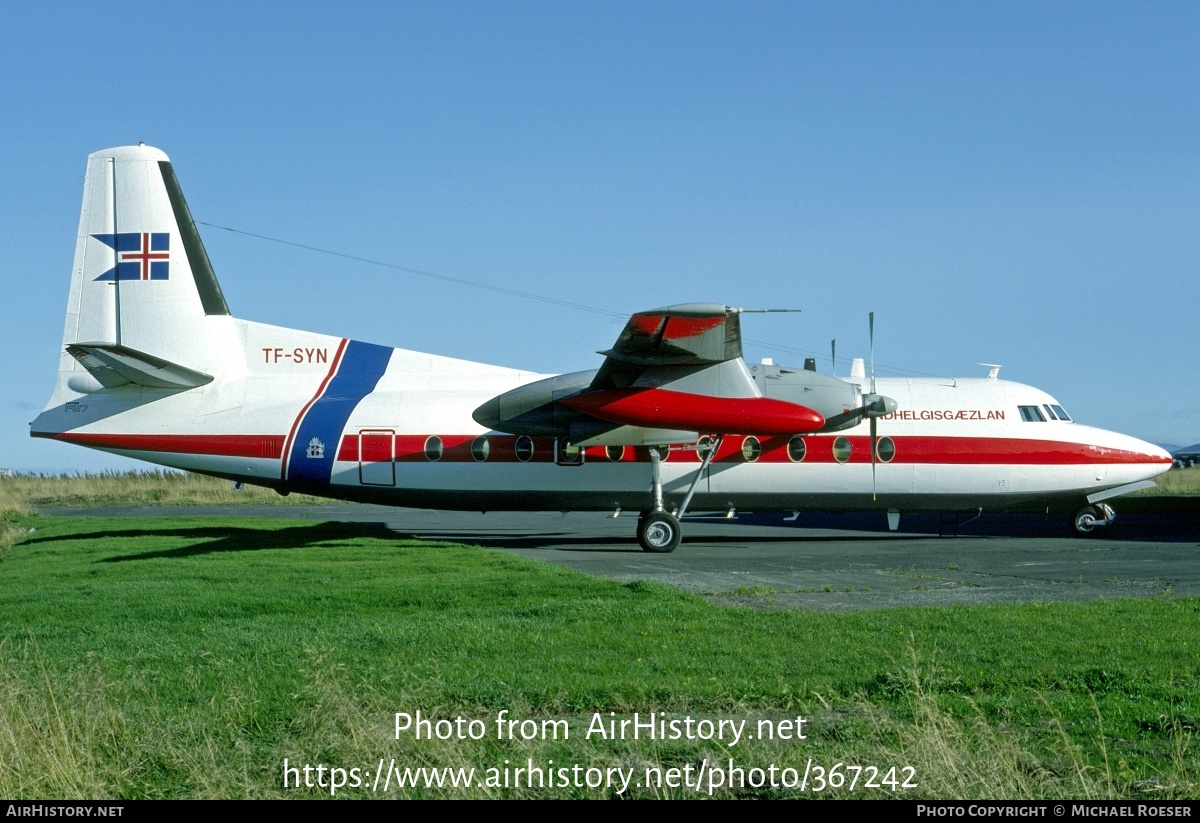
<point>524,448</point>
<point>1032,414</point>
<point>751,449</point>
<point>1062,415</point>
<point>885,450</point>
<point>841,449</point>
<point>664,452</point>
<point>614,453</point>
<point>569,452</point>
<point>796,449</point>
<point>433,448</point>
<point>703,446</point>
<point>480,448</point>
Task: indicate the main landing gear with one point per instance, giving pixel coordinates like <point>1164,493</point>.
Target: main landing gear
<point>659,530</point>
<point>1089,518</point>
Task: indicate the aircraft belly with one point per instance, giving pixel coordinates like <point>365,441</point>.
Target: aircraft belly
<point>601,486</point>
<point>255,470</point>
<point>604,486</point>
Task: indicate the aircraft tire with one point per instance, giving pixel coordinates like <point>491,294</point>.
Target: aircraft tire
<point>1085,521</point>
<point>659,532</point>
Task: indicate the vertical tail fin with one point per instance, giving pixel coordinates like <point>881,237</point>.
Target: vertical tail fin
<point>141,277</point>
<point>143,293</point>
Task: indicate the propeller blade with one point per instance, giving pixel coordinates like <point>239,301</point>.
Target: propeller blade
<point>871,321</point>
<point>833,357</point>
<point>874,424</point>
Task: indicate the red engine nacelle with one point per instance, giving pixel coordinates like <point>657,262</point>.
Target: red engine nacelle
<point>662,408</point>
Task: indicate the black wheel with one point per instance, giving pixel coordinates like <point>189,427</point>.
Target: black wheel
<point>659,532</point>
<point>1086,519</point>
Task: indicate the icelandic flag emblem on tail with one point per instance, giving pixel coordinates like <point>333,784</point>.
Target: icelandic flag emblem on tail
<point>140,255</point>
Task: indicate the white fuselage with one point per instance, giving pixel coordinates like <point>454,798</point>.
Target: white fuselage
<point>307,412</point>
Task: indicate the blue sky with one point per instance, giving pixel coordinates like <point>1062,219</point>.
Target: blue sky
<point>1013,183</point>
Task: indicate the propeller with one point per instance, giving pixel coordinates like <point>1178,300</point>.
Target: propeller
<point>874,406</point>
<point>833,357</point>
<point>874,424</point>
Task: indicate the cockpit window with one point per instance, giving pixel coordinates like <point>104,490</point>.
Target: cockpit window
<point>1053,412</point>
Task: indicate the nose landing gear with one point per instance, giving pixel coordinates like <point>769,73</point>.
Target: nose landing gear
<point>1089,518</point>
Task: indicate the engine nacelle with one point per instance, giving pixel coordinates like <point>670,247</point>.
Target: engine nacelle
<point>810,402</point>
<point>533,409</point>
<point>649,407</point>
<point>842,403</point>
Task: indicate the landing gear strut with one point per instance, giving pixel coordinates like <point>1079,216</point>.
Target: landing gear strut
<point>659,530</point>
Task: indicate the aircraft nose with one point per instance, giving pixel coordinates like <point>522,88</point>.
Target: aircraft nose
<point>1138,451</point>
<point>1157,454</point>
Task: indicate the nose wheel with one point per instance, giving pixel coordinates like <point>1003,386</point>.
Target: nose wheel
<point>658,532</point>
<point>1089,518</point>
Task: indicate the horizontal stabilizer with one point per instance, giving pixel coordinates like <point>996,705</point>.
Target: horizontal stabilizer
<point>114,366</point>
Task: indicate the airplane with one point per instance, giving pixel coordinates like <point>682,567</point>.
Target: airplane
<point>155,367</point>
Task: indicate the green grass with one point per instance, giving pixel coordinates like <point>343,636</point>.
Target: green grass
<point>141,488</point>
<point>189,657</point>
<point>134,488</point>
<point>1177,481</point>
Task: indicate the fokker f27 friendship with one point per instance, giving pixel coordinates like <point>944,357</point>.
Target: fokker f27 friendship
<point>155,367</point>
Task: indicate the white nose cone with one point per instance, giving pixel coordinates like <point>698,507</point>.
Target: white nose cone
<point>1160,453</point>
<point>1124,459</point>
<point>1155,453</point>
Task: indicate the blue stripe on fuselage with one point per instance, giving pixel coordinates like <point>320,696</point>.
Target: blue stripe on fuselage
<point>310,462</point>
